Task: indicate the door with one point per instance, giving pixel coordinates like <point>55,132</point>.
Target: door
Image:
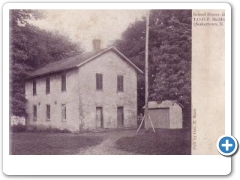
<point>99,117</point>
<point>160,117</point>
<point>120,117</point>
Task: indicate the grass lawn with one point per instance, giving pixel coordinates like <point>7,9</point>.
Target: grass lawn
<point>164,142</point>
<point>50,143</point>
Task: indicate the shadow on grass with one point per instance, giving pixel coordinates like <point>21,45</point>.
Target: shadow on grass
<point>50,143</point>
<point>164,142</point>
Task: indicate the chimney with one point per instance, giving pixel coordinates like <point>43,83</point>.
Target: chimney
<point>96,45</point>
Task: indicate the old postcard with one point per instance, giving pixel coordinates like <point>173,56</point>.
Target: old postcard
<point>140,81</point>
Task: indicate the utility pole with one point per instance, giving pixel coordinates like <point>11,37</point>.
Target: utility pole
<point>146,115</point>
<point>146,67</point>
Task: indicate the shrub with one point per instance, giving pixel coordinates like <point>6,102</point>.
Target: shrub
<point>18,128</point>
<point>56,130</point>
<point>44,129</point>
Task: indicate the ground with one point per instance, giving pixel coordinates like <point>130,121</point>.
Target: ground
<point>163,142</point>
<point>108,146</point>
<point>121,142</point>
<point>50,143</point>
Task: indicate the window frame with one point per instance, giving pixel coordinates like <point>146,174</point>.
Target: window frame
<point>64,82</point>
<point>64,112</point>
<point>99,81</point>
<point>48,112</point>
<point>34,112</point>
<point>48,85</point>
<point>120,83</point>
<point>34,86</point>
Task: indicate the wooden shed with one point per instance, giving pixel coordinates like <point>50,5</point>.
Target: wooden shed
<point>166,114</point>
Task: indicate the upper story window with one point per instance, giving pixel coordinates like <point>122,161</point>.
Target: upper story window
<point>99,81</point>
<point>47,85</point>
<point>34,87</point>
<point>64,82</point>
<point>120,83</point>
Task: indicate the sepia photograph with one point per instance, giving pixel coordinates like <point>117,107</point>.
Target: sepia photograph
<point>100,82</point>
<point>124,88</point>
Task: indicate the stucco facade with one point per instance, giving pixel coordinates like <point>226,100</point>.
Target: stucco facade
<point>82,98</point>
<point>55,99</point>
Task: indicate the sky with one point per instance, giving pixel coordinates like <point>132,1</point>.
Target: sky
<point>82,26</point>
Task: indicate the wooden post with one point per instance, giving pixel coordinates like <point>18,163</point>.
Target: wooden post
<point>146,68</point>
<point>141,123</point>
<point>146,115</point>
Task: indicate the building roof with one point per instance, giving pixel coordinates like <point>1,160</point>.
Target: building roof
<point>77,61</point>
<point>162,104</point>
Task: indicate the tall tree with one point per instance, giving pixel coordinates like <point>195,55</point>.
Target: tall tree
<point>169,56</point>
<point>31,48</point>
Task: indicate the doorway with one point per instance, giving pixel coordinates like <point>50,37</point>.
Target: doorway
<point>99,117</point>
<point>160,117</point>
<point>120,117</point>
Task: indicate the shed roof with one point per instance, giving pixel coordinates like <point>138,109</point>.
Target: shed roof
<point>77,61</point>
<point>163,104</point>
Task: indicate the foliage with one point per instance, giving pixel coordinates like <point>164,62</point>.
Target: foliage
<point>31,48</point>
<point>43,129</point>
<point>34,129</point>
<point>18,128</point>
<point>169,56</point>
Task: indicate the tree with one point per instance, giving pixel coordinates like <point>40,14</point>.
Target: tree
<point>172,58</point>
<point>169,56</point>
<point>31,48</point>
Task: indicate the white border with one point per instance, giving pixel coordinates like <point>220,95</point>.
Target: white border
<point>113,165</point>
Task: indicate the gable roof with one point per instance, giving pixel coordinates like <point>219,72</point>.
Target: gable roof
<point>162,104</point>
<point>77,61</point>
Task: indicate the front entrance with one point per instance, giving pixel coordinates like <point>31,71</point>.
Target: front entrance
<point>120,117</point>
<point>160,117</point>
<point>99,117</point>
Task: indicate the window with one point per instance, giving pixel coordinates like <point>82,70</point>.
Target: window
<point>99,81</point>
<point>64,82</point>
<point>34,112</point>
<point>34,87</point>
<point>48,112</point>
<point>120,83</point>
<point>64,112</point>
<point>47,85</point>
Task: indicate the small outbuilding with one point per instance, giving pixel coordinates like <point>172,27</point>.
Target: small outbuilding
<point>166,114</point>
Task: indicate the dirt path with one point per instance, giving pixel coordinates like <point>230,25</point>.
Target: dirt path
<point>108,147</point>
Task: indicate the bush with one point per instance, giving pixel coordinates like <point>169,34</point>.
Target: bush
<point>42,129</point>
<point>56,130</point>
<point>18,128</point>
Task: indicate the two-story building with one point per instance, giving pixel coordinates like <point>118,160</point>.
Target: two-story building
<point>93,90</point>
